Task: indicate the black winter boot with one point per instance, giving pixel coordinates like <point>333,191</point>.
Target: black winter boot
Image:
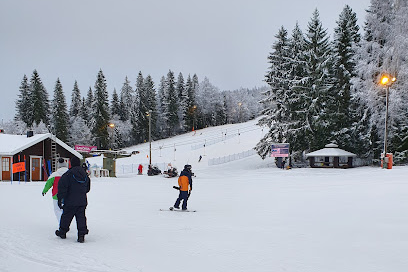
<point>81,239</point>
<point>60,234</point>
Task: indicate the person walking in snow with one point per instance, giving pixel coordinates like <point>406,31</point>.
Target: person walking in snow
<point>72,189</point>
<point>52,181</point>
<point>185,186</point>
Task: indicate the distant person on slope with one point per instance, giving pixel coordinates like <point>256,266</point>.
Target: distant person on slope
<point>186,185</point>
<point>72,189</point>
<point>52,181</point>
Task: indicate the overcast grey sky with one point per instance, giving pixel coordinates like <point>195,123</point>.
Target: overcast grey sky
<point>227,41</point>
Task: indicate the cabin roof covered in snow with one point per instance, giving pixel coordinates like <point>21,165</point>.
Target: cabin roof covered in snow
<point>11,144</point>
<point>330,150</point>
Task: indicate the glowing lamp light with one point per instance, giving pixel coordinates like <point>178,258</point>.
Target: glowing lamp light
<point>385,80</point>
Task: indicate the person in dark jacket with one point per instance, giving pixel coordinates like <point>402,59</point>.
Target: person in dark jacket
<point>185,186</point>
<point>72,189</point>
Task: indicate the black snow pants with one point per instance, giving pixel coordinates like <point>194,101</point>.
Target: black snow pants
<point>68,215</point>
<point>182,196</point>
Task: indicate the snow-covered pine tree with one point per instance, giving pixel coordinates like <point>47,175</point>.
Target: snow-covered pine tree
<point>100,112</point>
<point>398,62</point>
<point>276,113</point>
<point>39,101</point>
<point>76,101</point>
<point>151,103</point>
<point>371,63</point>
<point>297,100</point>
<point>207,97</point>
<point>87,107</point>
<point>80,134</point>
<point>84,111</point>
<point>190,108</point>
<point>126,100</point>
<point>221,111</point>
<point>319,100</point>
<point>140,122</point>
<point>60,120</point>
<point>115,108</point>
<point>182,100</point>
<point>161,124</point>
<point>173,123</point>
<point>23,105</point>
<point>346,41</point>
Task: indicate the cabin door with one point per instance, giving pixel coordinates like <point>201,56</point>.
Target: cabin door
<point>5,168</point>
<point>35,168</point>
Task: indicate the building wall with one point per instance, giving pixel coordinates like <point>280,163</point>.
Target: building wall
<point>42,149</point>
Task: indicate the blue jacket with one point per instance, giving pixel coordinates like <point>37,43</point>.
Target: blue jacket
<point>73,187</point>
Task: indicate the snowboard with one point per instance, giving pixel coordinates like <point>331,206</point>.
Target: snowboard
<point>171,209</point>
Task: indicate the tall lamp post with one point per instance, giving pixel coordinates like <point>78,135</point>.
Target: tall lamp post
<point>193,108</point>
<point>386,80</point>
<point>111,134</point>
<point>149,113</point>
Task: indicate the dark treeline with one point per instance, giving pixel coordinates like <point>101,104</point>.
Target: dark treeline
<point>323,90</point>
<point>176,105</point>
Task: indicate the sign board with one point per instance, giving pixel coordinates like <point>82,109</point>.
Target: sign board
<point>280,150</point>
<point>18,167</point>
<point>85,148</point>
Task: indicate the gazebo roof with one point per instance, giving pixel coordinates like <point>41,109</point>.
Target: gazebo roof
<point>330,150</point>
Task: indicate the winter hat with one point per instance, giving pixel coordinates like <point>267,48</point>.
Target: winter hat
<point>61,163</point>
<point>187,167</point>
<point>75,161</point>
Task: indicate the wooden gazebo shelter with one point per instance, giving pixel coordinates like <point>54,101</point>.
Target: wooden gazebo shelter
<point>331,157</point>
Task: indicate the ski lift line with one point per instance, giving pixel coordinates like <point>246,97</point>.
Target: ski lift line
<point>210,137</point>
<point>207,141</point>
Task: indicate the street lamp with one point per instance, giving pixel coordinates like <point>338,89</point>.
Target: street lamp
<point>193,110</point>
<point>386,80</point>
<point>149,113</point>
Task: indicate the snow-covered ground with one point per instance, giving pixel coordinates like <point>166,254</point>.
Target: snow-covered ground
<point>251,216</point>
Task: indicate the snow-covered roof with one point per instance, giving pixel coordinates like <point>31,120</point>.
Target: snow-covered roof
<point>330,150</point>
<point>12,144</point>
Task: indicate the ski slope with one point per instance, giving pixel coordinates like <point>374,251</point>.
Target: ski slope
<point>251,216</point>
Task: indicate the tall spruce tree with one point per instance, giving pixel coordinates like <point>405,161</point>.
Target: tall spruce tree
<point>182,99</point>
<point>76,101</point>
<point>161,124</point>
<point>276,114</point>
<point>115,104</point>
<point>172,104</point>
<point>140,118</point>
<point>399,63</point>
<point>39,101</point>
<point>371,63</point>
<point>346,41</point>
<point>296,98</point>
<point>87,107</point>
<point>100,112</point>
<point>23,105</point>
<point>126,100</point>
<point>319,82</point>
<point>151,103</point>
<point>60,118</point>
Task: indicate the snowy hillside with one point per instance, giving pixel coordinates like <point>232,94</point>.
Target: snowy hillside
<point>251,216</point>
